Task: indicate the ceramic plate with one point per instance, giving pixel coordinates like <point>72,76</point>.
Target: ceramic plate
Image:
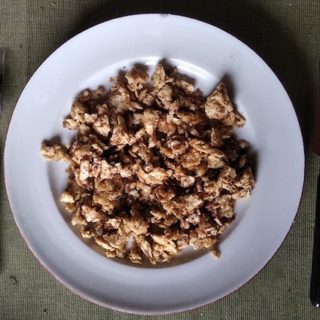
<point>207,54</point>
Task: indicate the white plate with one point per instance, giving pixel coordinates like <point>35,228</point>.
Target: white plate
<point>207,54</point>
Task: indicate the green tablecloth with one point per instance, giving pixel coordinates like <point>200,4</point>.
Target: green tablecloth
<point>285,33</point>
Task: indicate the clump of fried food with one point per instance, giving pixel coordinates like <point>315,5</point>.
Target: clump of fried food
<point>153,164</point>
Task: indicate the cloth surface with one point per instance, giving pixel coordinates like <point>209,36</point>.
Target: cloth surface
<point>285,33</point>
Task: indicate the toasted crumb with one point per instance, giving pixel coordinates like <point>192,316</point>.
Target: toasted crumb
<point>216,253</point>
<point>154,166</point>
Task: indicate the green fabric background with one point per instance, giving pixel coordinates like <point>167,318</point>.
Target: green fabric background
<point>285,33</point>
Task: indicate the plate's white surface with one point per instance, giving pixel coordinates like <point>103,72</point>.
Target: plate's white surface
<point>207,54</point>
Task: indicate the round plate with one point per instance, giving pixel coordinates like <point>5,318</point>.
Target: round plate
<point>207,54</point>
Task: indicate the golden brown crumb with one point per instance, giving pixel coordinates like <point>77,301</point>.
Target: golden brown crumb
<point>153,167</point>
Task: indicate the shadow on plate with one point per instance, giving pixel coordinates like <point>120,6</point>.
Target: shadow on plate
<point>249,22</point>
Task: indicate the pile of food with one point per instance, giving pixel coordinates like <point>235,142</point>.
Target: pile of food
<point>154,166</point>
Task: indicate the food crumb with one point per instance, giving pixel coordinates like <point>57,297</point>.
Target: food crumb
<point>216,253</point>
